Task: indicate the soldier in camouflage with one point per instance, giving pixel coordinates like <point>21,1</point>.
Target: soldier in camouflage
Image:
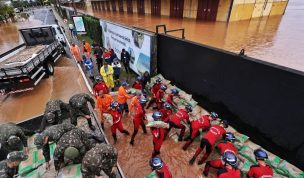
<point>102,157</point>
<point>79,107</point>
<point>9,167</point>
<point>51,134</point>
<point>54,113</point>
<point>71,148</point>
<point>12,138</point>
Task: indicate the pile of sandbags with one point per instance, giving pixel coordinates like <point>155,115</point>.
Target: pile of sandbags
<point>246,148</point>
<point>71,171</point>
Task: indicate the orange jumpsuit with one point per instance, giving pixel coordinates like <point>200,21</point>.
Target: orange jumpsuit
<point>76,52</point>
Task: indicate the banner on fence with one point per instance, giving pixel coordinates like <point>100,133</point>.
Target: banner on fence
<point>135,42</point>
<point>79,25</point>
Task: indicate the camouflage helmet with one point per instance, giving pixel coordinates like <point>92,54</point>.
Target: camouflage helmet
<point>39,141</point>
<point>16,156</point>
<point>50,117</point>
<point>81,103</point>
<point>71,153</point>
<point>15,143</point>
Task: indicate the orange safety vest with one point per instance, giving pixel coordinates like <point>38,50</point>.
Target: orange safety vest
<point>133,103</point>
<point>104,103</point>
<point>122,95</point>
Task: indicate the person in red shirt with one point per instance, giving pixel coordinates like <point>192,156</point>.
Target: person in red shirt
<point>100,85</point>
<point>177,118</point>
<point>137,84</point>
<point>166,112</point>
<point>138,120</point>
<point>154,91</point>
<point>160,168</point>
<point>223,147</point>
<point>208,141</point>
<point>117,124</point>
<point>158,135</point>
<point>174,93</point>
<point>229,170</point>
<point>160,95</point>
<point>261,169</point>
<point>203,123</point>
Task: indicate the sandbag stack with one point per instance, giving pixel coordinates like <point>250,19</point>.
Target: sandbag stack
<point>246,148</point>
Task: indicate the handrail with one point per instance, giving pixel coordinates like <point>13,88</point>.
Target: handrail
<point>166,31</point>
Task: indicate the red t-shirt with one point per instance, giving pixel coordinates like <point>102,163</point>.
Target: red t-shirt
<point>139,113</point>
<point>158,134</point>
<point>170,99</point>
<point>214,133</point>
<point>137,86</point>
<point>101,86</point>
<point>166,113</point>
<point>227,146</point>
<point>228,173</point>
<point>258,171</point>
<point>160,95</point>
<point>181,114</point>
<point>164,172</point>
<point>116,116</point>
<point>155,88</point>
<point>201,123</point>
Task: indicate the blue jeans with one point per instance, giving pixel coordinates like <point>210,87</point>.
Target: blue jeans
<point>124,107</point>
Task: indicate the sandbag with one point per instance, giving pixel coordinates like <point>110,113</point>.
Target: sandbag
<point>152,175</point>
<point>108,117</point>
<point>247,152</point>
<point>244,167</point>
<point>290,170</point>
<point>192,102</point>
<point>273,160</point>
<point>241,137</point>
<point>149,117</point>
<point>71,171</point>
<point>158,124</point>
<point>33,174</point>
<point>28,164</point>
<point>133,91</point>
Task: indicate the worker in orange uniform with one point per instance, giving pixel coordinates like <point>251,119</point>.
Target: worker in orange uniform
<point>103,104</point>
<point>123,97</point>
<point>76,52</point>
<point>138,119</point>
<point>160,96</point>
<point>154,91</point>
<point>134,101</point>
<point>86,46</point>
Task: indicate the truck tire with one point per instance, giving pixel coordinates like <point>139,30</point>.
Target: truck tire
<point>49,68</point>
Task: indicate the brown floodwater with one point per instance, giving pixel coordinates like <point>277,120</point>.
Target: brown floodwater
<point>276,39</point>
<point>66,82</point>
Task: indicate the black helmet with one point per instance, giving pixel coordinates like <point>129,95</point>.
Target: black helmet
<point>229,158</point>
<point>225,123</point>
<point>229,137</point>
<point>156,163</point>
<point>260,154</point>
<point>188,107</point>
<point>50,117</point>
<point>157,115</point>
<point>167,105</point>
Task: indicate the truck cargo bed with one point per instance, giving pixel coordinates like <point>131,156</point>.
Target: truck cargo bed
<point>23,56</point>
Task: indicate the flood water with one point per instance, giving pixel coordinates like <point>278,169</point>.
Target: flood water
<point>277,39</point>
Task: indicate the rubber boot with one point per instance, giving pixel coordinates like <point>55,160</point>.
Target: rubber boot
<point>198,151</point>
<point>192,160</point>
<point>115,138</point>
<point>132,142</point>
<point>206,170</point>
<point>180,138</point>
<point>144,128</point>
<point>125,132</point>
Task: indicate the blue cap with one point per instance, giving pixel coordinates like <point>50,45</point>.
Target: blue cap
<point>125,84</point>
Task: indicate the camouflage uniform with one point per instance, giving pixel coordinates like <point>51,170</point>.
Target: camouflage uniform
<point>7,172</point>
<point>100,158</point>
<point>6,131</point>
<point>56,107</point>
<point>76,138</point>
<point>54,133</point>
<point>79,107</point>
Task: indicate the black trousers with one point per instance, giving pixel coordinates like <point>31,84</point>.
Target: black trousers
<point>127,67</point>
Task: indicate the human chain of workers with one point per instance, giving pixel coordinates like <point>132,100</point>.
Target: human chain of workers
<point>73,145</point>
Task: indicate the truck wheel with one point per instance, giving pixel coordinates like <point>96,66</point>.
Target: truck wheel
<point>49,68</point>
